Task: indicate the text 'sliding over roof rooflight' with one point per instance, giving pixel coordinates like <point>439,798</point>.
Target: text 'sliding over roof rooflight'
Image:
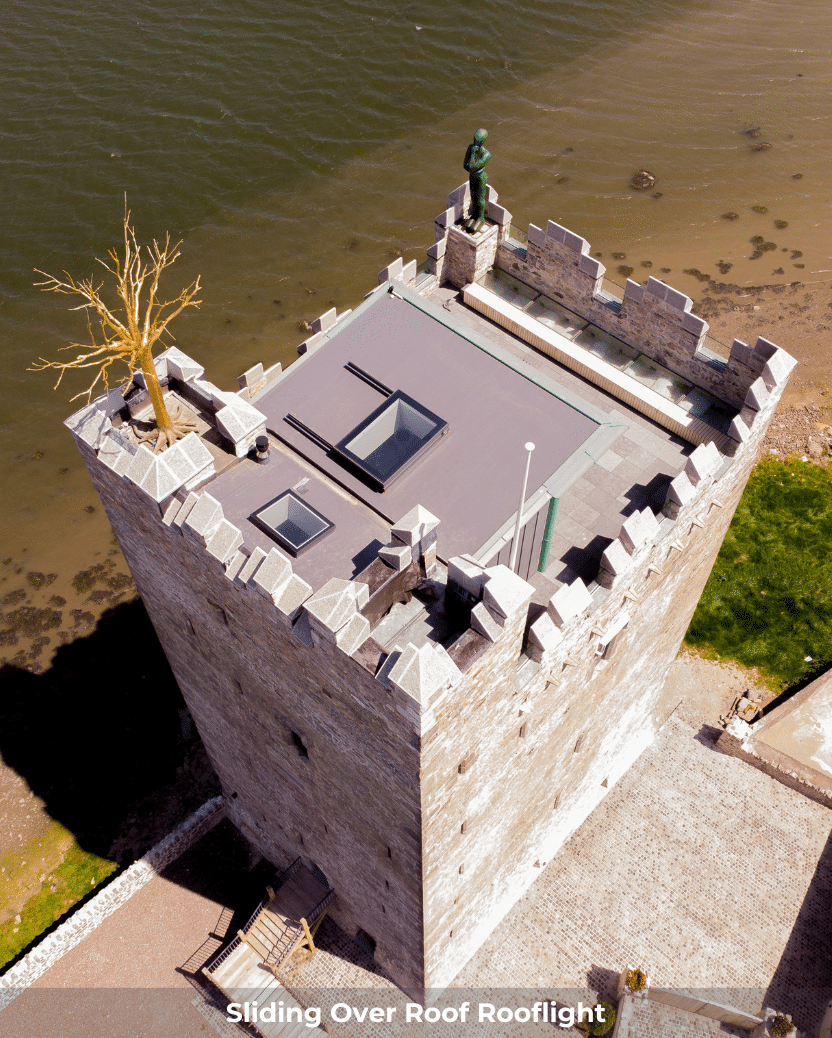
<point>391,438</point>
<point>291,522</point>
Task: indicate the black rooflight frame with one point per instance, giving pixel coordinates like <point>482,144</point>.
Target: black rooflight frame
<point>378,479</point>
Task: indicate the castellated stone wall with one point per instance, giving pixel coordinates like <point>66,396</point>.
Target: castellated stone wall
<point>429,785</point>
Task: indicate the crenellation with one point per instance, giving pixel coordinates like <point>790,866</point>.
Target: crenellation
<point>569,602</point>
<point>203,518</point>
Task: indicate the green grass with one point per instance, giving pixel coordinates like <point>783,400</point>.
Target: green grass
<point>768,601</point>
<point>66,884</point>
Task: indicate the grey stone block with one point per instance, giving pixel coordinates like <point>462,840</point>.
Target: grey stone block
<point>140,464</point>
<point>437,250</point>
<point>740,351</point>
<point>234,564</point>
<point>392,271</point>
<point>204,518</point>
<point>554,232</point>
<point>160,481</point>
<point>536,235</point>
<point>185,510</point>
<point>361,592</point>
<point>224,542</point>
<point>252,379</point>
<point>569,601</point>
<point>467,573</point>
<point>778,368</point>
<point>180,365</point>
<point>409,271</point>
<point>633,292</point>
<point>414,526</point>
<point>638,529</point>
<point>739,431</point>
<point>500,215</point>
<point>246,574</point>
<point>575,242</point>
<point>460,195</point>
<point>615,559</point>
<point>325,321</point>
<point>505,592</point>
<point>695,325</point>
<point>240,423</point>
<point>592,267</point>
<point>656,288</point>
<point>764,350</point>
<point>399,556</point>
<point>703,462</point>
<point>678,300</point>
<point>291,598</point>
<point>333,604</point>
<point>272,573</point>
<point>90,425</point>
<point>311,343</point>
<point>180,461</point>
<point>420,673</point>
<point>544,634</point>
<point>485,623</point>
<point>681,491</point>
<point>114,456</point>
<point>353,634</point>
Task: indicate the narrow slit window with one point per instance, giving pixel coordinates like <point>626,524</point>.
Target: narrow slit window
<point>299,744</point>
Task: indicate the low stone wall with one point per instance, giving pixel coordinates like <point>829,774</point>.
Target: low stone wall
<point>737,742</point>
<point>111,897</point>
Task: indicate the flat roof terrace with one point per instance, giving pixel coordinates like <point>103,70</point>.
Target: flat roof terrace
<point>482,406</point>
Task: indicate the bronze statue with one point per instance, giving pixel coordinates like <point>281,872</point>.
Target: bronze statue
<point>475,160</point>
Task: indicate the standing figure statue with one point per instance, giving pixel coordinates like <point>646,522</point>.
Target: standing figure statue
<point>475,160</point>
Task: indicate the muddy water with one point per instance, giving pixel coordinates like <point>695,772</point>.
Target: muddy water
<point>576,97</point>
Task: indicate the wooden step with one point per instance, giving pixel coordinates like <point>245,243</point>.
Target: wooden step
<point>232,966</point>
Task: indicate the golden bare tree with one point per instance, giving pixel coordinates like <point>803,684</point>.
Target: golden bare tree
<point>129,331</point>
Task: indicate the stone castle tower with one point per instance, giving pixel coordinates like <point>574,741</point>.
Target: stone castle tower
<point>378,692</point>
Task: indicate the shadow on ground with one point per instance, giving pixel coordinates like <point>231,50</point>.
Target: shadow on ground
<point>103,737</point>
<point>802,982</point>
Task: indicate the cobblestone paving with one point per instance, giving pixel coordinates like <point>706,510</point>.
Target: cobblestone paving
<point>710,875</point>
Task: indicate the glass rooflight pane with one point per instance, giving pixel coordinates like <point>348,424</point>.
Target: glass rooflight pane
<point>556,317</point>
<point>291,522</point>
<point>390,438</point>
<point>508,288</point>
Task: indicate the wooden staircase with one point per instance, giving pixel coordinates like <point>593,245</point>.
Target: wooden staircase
<point>283,924</point>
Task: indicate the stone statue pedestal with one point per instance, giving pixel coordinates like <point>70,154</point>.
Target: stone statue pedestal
<point>469,256</point>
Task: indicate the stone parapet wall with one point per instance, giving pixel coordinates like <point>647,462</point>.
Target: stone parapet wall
<point>738,741</point>
<point>654,318</point>
<point>111,897</point>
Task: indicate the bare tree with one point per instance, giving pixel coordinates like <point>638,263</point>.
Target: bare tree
<point>129,331</point>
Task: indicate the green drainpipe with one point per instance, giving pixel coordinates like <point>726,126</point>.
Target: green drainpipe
<point>547,535</point>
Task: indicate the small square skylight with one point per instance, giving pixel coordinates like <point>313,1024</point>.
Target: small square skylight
<point>291,522</point>
<point>391,438</point>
